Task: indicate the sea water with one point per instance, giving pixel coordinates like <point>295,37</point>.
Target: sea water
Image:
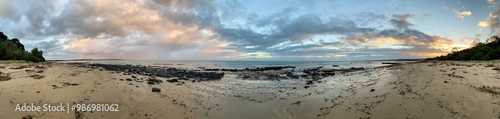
<point>219,64</point>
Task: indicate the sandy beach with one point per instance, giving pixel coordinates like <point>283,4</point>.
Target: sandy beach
<point>448,90</point>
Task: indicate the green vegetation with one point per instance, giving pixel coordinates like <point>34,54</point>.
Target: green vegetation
<point>11,61</point>
<point>13,50</point>
<point>482,51</point>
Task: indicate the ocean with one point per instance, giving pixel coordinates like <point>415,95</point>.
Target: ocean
<point>213,64</point>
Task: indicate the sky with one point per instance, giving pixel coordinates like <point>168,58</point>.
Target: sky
<point>297,30</point>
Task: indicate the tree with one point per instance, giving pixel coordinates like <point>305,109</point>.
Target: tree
<point>492,39</point>
<point>17,43</point>
<point>14,50</point>
<point>478,56</point>
<point>484,49</point>
<point>494,54</point>
<point>455,49</point>
<point>38,55</point>
<point>3,36</point>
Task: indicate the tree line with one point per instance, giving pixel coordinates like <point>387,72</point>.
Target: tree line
<point>13,49</point>
<point>481,51</point>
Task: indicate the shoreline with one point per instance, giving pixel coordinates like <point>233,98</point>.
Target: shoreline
<point>412,90</point>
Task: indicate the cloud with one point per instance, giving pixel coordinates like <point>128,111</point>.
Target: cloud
<point>492,2</point>
<point>129,29</point>
<point>400,21</point>
<point>477,35</point>
<point>462,14</point>
<point>492,22</point>
<point>205,29</point>
<point>484,24</point>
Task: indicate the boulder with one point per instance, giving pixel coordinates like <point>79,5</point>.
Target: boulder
<point>309,82</point>
<point>155,80</point>
<point>155,89</point>
<point>27,117</point>
<point>172,80</point>
<point>315,77</point>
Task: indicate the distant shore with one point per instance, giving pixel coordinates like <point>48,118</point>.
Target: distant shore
<point>415,90</point>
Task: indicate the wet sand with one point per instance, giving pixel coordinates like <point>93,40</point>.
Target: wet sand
<point>417,90</point>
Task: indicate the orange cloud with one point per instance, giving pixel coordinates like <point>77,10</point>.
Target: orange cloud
<point>484,24</point>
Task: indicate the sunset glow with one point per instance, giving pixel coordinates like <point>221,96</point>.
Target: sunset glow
<point>248,30</point>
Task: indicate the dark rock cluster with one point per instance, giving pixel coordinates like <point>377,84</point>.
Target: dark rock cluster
<point>154,71</point>
<point>255,69</point>
<point>155,90</point>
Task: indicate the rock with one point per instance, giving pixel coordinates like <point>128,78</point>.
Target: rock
<point>402,93</point>
<point>306,87</point>
<point>294,88</point>
<point>39,71</point>
<point>372,90</point>
<point>172,80</point>
<point>122,80</point>
<point>37,91</point>
<point>320,81</point>
<point>316,77</point>
<point>193,81</point>
<point>185,77</point>
<point>70,84</point>
<point>37,76</point>
<point>155,89</point>
<point>445,81</point>
<point>309,82</point>
<point>129,79</point>
<point>130,84</point>
<point>27,117</point>
<point>134,76</point>
<point>262,77</point>
<point>296,103</point>
<point>151,83</point>
<point>155,80</point>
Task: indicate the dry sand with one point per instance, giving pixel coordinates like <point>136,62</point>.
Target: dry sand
<point>419,90</point>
